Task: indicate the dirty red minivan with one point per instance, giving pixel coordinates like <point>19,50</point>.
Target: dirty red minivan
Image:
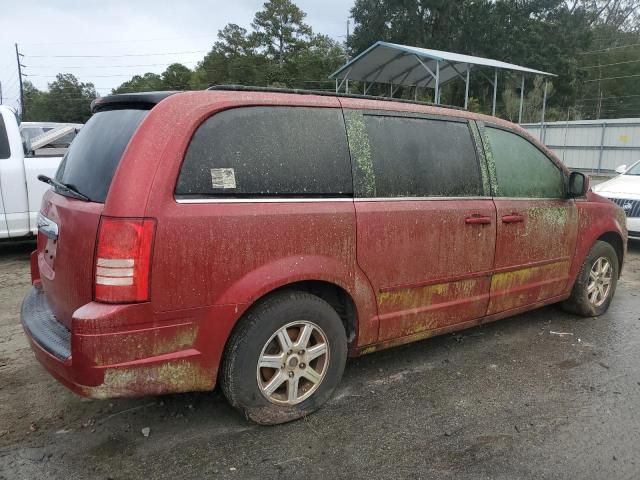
<point>256,239</point>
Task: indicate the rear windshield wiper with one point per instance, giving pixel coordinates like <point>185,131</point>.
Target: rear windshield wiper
<point>68,189</point>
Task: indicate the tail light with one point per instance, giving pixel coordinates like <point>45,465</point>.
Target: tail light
<point>123,259</point>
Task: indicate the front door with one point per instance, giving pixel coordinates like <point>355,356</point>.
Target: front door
<point>426,231</point>
<point>536,223</point>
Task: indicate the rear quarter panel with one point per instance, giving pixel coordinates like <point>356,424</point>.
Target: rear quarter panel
<point>210,255</point>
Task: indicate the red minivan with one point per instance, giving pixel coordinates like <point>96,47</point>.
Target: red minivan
<point>256,238</point>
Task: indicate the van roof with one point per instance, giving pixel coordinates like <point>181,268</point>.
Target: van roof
<point>149,99</point>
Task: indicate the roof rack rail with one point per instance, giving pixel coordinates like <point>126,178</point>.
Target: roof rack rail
<point>246,88</point>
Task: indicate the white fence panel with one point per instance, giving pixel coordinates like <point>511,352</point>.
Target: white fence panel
<point>592,145</point>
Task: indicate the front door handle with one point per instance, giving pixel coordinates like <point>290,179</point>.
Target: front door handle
<point>513,218</point>
<point>477,220</point>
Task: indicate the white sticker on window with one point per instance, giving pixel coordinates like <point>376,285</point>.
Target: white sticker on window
<point>223,178</point>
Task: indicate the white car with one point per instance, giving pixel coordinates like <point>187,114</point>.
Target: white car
<point>624,190</point>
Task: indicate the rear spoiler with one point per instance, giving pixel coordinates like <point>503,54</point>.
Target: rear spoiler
<point>141,100</point>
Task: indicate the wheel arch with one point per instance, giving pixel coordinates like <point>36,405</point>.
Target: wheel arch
<point>332,293</point>
<point>615,240</point>
<point>335,295</point>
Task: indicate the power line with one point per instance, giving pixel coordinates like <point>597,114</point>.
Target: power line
<point>612,78</point>
<point>122,41</point>
<point>12,84</point>
<point>118,56</point>
<point>13,74</point>
<point>609,49</point>
<point>615,96</point>
<point>94,76</point>
<point>609,64</point>
<point>8,66</point>
<point>108,66</point>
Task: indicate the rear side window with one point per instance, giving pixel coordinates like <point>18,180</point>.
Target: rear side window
<point>521,169</point>
<point>419,157</point>
<point>268,151</point>
<point>95,153</point>
<point>5,151</point>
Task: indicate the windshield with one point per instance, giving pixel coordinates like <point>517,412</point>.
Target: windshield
<point>634,170</point>
<point>95,153</point>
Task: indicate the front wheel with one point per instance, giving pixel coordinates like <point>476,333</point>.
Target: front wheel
<point>285,358</point>
<point>596,282</point>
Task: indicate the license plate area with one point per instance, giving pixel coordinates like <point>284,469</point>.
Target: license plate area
<point>48,232</point>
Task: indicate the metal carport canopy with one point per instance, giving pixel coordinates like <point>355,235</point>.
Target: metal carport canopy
<point>397,65</point>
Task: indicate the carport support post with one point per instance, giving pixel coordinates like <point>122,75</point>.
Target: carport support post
<point>521,100</point>
<point>544,110</point>
<point>437,93</point>
<point>466,90</point>
<point>345,79</point>
<point>604,130</point>
<point>495,91</point>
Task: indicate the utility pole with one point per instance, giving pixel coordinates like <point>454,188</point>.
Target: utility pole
<point>1,93</point>
<point>346,54</point>
<point>346,50</point>
<point>22,108</point>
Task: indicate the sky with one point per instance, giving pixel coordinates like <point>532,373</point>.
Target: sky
<point>106,42</point>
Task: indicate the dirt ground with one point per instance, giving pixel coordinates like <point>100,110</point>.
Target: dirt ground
<point>508,400</point>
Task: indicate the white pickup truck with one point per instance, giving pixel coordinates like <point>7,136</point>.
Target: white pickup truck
<point>21,161</point>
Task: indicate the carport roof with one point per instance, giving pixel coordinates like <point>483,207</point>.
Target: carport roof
<point>385,62</point>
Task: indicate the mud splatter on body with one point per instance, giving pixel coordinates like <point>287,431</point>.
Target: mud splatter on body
<point>364,176</point>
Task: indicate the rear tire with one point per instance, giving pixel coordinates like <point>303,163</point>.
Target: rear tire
<point>596,283</point>
<point>285,358</point>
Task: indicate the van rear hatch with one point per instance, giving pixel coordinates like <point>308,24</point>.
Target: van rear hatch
<point>68,226</point>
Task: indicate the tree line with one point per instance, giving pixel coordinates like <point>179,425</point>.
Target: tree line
<point>592,45</point>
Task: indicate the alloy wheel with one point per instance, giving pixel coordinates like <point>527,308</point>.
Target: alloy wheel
<point>293,363</point>
<point>599,284</point>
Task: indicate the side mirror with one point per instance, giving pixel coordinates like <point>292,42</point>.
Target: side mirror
<point>578,184</point>
<point>621,169</point>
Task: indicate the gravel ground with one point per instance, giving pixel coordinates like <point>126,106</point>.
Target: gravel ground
<point>507,400</point>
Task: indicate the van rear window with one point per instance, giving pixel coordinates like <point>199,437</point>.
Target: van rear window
<point>268,151</point>
<point>95,153</point>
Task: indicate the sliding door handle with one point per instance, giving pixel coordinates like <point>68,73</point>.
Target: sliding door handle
<point>513,218</point>
<point>477,220</point>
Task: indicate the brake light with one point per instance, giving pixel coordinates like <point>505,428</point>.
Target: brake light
<point>123,259</point>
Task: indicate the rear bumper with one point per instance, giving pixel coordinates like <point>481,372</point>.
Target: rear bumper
<point>121,350</point>
<point>43,328</point>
